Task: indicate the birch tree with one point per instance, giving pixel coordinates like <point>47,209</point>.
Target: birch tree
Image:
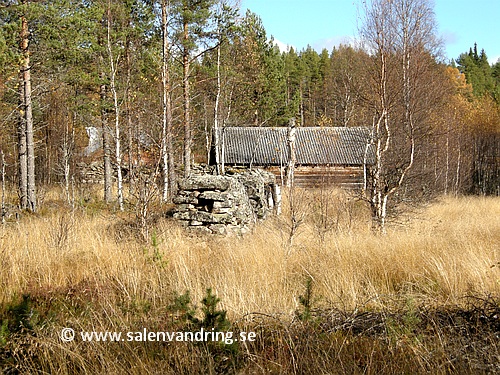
<point>167,150</point>
<point>347,63</point>
<point>194,38</point>
<point>226,25</point>
<point>124,29</point>
<point>113,62</point>
<point>106,141</point>
<point>400,36</point>
<point>26,146</point>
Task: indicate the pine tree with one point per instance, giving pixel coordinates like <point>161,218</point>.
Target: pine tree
<point>26,144</point>
<point>193,34</point>
<point>478,71</point>
<point>260,82</point>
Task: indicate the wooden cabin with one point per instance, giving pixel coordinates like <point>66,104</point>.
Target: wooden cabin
<point>324,156</point>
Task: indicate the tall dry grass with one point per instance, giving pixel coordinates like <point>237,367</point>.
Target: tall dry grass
<point>89,269</point>
<point>450,249</point>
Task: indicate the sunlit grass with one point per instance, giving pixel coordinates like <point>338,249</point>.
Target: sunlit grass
<point>89,268</point>
<point>450,249</point>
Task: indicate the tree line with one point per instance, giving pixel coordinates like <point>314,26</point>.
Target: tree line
<point>154,77</point>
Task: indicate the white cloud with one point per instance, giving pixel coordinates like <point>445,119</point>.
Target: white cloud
<point>334,41</point>
<point>320,44</point>
<point>449,37</point>
<point>283,47</point>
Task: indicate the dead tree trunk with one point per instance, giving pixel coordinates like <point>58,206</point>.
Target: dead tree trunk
<point>66,153</point>
<point>128,113</point>
<point>30,143</point>
<point>292,159</point>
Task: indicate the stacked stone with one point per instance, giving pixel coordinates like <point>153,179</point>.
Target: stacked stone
<point>91,173</point>
<point>261,188</point>
<point>213,204</point>
<point>224,204</point>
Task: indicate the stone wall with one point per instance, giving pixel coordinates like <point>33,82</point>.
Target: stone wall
<point>91,173</point>
<point>226,204</point>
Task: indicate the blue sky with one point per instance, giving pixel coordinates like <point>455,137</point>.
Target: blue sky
<point>326,23</point>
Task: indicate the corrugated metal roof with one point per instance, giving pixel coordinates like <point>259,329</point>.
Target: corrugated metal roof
<point>314,145</point>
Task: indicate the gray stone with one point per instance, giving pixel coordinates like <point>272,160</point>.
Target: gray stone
<point>204,217</point>
<point>219,229</point>
<point>215,196</point>
<point>224,204</point>
<point>182,199</point>
<point>185,207</point>
<point>205,182</point>
<point>221,210</point>
<point>199,230</point>
<point>184,223</point>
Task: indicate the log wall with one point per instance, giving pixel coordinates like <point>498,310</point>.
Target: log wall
<point>347,177</point>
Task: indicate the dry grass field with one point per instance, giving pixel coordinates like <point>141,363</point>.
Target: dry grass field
<point>332,298</point>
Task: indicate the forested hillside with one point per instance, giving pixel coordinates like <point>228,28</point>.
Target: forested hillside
<point>152,78</point>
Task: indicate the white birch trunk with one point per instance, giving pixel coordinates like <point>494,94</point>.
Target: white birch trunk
<point>30,143</point>
<point>169,186</point>
<point>118,153</point>
<point>217,146</point>
<point>26,146</point>
<point>164,76</point>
